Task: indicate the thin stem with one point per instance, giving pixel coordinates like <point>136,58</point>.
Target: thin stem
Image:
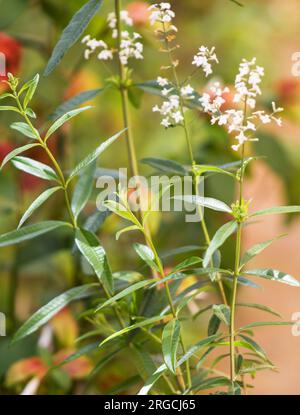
<point>172,307</point>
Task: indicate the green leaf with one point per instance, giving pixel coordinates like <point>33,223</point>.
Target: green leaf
<point>129,290</point>
<point>35,168</point>
<point>213,325</point>
<point>181,250</point>
<point>274,275</point>
<point>63,119</point>
<point>143,323</point>
<point>94,253</point>
<point>261,307</point>
<point>202,343</point>
<point>257,249</point>
<point>222,311</point>
<point>146,254</point>
<point>16,152</point>
<point>121,211</point>
<point>127,229</point>
<point>24,129</point>
<point>170,343</point>
<point>219,238</point>
<point>37,203</point>
<point>31,90</point>
<point>83,189</point>
<point>212,383</point>
<point>200,169</point>
<point>9,108</point>
<point>167,166</point>
<point>276,210</point>
<point>187,263</point>
<point>81,352</point>
<point>44,314</point>
<point>103,362</point>
<point>29,232</point>
<point>72,32</point>
<point>265,323</point>
<point>94,155</point>
<point>75,102</point>
<point>207,202</point>
<point>152,380</point>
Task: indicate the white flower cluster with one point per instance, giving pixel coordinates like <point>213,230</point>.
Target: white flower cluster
<point>171,108</point>
<point>161,13</point>
<point>237,120</point>
<point>130,46</point>
<point>203,59</point>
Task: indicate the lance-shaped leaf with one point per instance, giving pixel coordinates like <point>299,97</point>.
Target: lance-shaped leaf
<point>187,263</point>
<point>222,311</point>
<point>127,229</point>
<point>72,32</point>
<point>16,152</point>
<point>30,232</point>
<point>75,102</point>
<point>9,108</point>
<point>83,189</point>
<point>219,238</point>
<point>257,249</point>
<point>211,383</point>
<point>146,254</point>
<point>93,156</point>
<point>276,210</point>
<point>63,119</point>
<point>261,307</point>
<point>207,202</point>
<point>152,380</point>
<point>24,129</point>
<point>167,166</point>
<point>264,324</point>
<point>44,314</point>
<point>88,244</point>
<point>274,275</point>
<point>37,203</point>
<point>140,324</point>
<point>170,342</point>
<point>35,168</point>
<point>213,325</point>
<point>121,211</point>
<point>129,290</point>
<point>31,88</point>
<point>201,169</point>
<point>194,349</point>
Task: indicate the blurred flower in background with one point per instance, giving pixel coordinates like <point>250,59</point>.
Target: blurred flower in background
<point>12,50</point>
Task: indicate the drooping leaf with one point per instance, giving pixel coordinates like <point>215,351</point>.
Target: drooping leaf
<point>167,166</point>
<point>207,202</point>
<point>257,249</point>
<point>30,232</point>
<point>72,32</point>
<point>129,290</point>
<point>37,203</point>
<point>274,275</point>
<point>219,238</point>
<point>261,307</point>
<point>44,314</point>
<point>16,152</point>
<point>9,108</point>
<point>94,253</point>
<point>276,210</point>
<point>24,129</point>
<point>127,229</point>
<point>75,102</point>
<point>94,155</point>
<point>170,342</point>
<point>83,189</point>
<point>63,119</point>
<point>242,281</point>
<point>35,168</point>
<point>140,324</point>
<point>146,254</point>
<point>222,311</point>
<point>201,169</point>
<point>211,383</point>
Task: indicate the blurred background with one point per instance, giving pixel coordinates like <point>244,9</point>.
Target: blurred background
<point>31,274</point>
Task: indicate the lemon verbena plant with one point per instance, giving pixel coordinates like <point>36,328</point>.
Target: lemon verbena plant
<point>146,313</point>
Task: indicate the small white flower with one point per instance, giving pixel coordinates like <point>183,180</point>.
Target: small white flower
<point>162,81</point>
<point>161,13</point>
<point>186,91</point>
<point>203,58</point>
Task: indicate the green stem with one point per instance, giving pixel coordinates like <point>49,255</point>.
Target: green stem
<point>192,160</point>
